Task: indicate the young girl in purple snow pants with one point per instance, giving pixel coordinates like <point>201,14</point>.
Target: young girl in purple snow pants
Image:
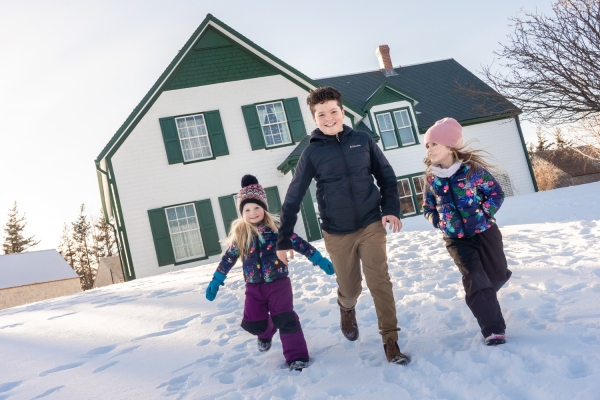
<point>461,199</point>
<point>269,299</point>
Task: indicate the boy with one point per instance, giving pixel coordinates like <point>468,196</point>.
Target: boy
<point>343,163</point>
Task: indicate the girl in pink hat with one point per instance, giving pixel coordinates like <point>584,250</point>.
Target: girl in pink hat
<point>461,199</point>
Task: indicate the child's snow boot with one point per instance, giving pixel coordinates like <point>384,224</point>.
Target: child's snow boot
<point>393,354</point>
<point>348,324</point>
<point>264,344</point>
<point>495,339</point>
<point>298,365</point>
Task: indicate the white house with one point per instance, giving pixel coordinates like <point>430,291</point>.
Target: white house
<point>35,276</point>
<point>225,107</point>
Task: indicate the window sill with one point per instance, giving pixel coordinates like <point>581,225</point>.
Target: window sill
<point>190,260</point>
<point>197,161</point>
<point>279,146</point>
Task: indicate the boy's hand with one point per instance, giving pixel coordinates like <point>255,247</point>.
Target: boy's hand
<point>283,255</point>
<point>395,223</point>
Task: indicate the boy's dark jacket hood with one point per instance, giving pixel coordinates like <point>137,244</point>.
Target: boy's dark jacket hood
<point>343,167</point>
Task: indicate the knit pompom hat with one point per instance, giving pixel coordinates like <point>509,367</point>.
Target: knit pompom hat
<point>251,192</point>
<point>446,131</point>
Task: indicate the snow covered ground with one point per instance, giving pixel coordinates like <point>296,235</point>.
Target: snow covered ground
<point>159,336</point>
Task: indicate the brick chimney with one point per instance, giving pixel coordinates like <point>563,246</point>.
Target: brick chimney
<point>385,61</point>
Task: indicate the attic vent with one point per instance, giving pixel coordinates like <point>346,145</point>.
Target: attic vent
<point>385,61</point>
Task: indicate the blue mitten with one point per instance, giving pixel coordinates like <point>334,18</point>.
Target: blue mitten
<point>322,262</point>
<point>213,286</point>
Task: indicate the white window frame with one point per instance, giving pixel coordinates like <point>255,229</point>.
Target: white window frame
<point>185,234</point>
<point>235,201</point>
<point>409,126</point>
<point>419,195</point>
<point>397,125</point>
<point>381,131</point>
<point>282,126</point>
<point>409,195</point>
<point>193,144</point>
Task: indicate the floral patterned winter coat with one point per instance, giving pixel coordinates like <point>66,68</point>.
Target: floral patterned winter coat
<point>461,206</point>
<point>261,264</point>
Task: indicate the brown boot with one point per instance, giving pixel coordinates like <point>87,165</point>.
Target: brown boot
<point>348,324</point>
<point>393,354</point>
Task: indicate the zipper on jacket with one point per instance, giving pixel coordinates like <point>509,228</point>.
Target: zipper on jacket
<point>349,184</point>
<point>456,206</point>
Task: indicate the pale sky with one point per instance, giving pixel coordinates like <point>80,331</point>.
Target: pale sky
<point>72,71</point>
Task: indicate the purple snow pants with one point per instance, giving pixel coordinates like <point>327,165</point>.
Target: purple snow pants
<point>269,307</point>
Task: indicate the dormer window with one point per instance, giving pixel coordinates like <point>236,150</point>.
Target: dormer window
<point>396,128</point>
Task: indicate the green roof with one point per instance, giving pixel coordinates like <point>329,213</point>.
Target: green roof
<point>439,86</point>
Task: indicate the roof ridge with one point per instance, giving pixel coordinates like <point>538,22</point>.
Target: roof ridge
<point>379,70</point>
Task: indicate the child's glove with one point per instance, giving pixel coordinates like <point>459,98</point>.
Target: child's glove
<point>213,286</point>
<point>322,262</point>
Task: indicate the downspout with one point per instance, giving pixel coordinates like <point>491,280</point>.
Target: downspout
<point>535,186</point>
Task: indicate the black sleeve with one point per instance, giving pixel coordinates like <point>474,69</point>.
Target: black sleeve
<point>304,173</point>
<point>386,180</point>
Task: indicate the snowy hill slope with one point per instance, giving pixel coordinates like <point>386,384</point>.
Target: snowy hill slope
<point>159,336</point>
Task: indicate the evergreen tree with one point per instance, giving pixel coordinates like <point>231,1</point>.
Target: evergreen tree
<point>542,144</point>
<point>83,258</point>
<point>66,247</point>
<point>561,141</point>
<point>15,241</point>
<point>105,244</point>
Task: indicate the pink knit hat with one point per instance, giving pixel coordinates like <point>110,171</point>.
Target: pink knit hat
<point>446,131</point>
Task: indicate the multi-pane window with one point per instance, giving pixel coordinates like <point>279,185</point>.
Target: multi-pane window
<point>185,232</point>
<point>410,191</point>
<point>404,127</point>
<point>419,186</point>
<point>396,131</point>
<point>274,123</point>
<point>386,128</point>
<point>407,203</point>
<point>193,136</point>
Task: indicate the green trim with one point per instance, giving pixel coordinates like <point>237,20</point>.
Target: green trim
<point>535,185</point>
<point>190,260</point>
<point>414,194</point>
<point>288,164</point>
<point>381,91</point>
<point>375,136</point>
<point>126,260</point>
<point>309,216</point>
<point>154,93</point>
<point>475,121</point>
<point>250,125</point>
<point>412,127</point>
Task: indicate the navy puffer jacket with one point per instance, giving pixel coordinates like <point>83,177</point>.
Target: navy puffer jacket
<point>343,166</point>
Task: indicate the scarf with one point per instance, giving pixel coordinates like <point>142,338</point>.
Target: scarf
<point>446,172</point>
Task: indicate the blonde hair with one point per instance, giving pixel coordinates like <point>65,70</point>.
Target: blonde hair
<point>242,233</point>
<point>468,155</point>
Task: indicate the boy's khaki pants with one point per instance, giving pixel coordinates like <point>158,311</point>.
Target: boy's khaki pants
<point>369,246</point>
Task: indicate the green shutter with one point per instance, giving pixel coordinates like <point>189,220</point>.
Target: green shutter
<point>255,133</point>
<point>216,133</point>
<point>294,118</point>
<point>309,216</point>
<point>161,237</point>
<point>208,227</point>
<point>171,139</point>
<point>273,199</point>
<point>228,211</point>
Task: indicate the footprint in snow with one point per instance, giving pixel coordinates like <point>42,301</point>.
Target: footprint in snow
<point>48,392</point>
<point>125,351</point>
<point>61,368</point>
<point>177,384</point>
<point>11,326</point>
<point>180,322</point>
<point>157,334</point>
<point>60,316</point>
<point>99,350</point>
<point>105,366</point>
<point>203,342</point>
<point>8,386</point>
